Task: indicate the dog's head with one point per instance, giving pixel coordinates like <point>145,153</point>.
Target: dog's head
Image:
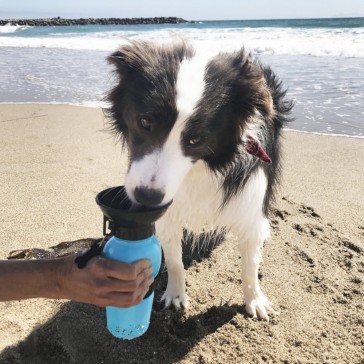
<point>173,108</point>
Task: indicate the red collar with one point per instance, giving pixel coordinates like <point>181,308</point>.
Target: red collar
<point>253,148</point>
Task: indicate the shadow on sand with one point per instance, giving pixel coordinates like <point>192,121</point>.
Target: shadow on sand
<point>78,334</point>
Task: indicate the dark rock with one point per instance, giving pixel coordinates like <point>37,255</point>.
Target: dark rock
<point>101,21</point>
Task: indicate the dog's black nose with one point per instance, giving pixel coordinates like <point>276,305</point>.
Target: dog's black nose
<point>148,196</point>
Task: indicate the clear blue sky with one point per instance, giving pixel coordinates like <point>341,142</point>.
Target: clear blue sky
<point>188,9</point>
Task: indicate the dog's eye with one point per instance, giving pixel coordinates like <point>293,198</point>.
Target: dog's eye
<point>146,124</point>
<point>194,141</point>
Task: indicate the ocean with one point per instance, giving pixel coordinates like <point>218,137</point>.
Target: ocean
<point>320,61</point>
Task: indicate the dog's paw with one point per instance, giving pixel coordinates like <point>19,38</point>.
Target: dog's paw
<point>259,307</point>
<point>174,298</point>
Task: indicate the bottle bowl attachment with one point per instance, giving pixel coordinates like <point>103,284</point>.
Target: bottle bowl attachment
<point>117,207</point>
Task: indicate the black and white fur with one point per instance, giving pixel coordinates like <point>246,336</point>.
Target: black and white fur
<point>185,121</point>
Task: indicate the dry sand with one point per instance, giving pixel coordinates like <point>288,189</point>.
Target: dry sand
<point>53,161</point>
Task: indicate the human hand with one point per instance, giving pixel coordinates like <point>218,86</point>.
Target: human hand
<point>104,282</point>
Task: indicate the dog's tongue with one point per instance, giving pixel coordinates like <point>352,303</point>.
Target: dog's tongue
<point>253,148</point>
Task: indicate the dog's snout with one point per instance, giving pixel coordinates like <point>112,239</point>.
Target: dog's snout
<point>148,196</point>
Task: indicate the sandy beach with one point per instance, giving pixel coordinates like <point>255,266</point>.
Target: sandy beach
<point>53,161</point>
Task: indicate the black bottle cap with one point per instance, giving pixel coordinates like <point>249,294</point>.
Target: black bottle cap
<point>127,221</point>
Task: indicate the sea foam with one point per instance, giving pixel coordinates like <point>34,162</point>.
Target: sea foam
<point>337,42</point>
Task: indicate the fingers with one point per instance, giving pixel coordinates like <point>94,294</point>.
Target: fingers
<point>128,299</point>
<point>118,285</point>
<point>124,271</point>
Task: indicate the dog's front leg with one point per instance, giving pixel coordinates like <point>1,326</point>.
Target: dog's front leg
<point>171,240</point>
<point>250,245</point>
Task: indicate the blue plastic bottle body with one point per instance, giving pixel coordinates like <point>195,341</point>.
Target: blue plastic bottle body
<point>129,323</point>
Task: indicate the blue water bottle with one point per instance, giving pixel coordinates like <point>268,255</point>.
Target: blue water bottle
<point>133,238</point>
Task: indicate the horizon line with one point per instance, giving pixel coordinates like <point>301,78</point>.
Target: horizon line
<point>190,20</point>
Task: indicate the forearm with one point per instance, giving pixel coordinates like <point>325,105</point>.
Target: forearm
<point>29,279</point>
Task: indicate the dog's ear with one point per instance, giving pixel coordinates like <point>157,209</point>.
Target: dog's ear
<point>125,59</point>
<point>253,93</point>
<point>134,57</point>
<point>117,59</point>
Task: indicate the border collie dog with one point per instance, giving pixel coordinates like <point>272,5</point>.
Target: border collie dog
<point>204,133</point>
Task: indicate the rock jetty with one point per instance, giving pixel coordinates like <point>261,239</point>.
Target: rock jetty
<point>89,21</point>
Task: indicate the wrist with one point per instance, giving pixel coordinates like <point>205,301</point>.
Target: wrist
<point>60,271</point>
<point>51,277</point>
